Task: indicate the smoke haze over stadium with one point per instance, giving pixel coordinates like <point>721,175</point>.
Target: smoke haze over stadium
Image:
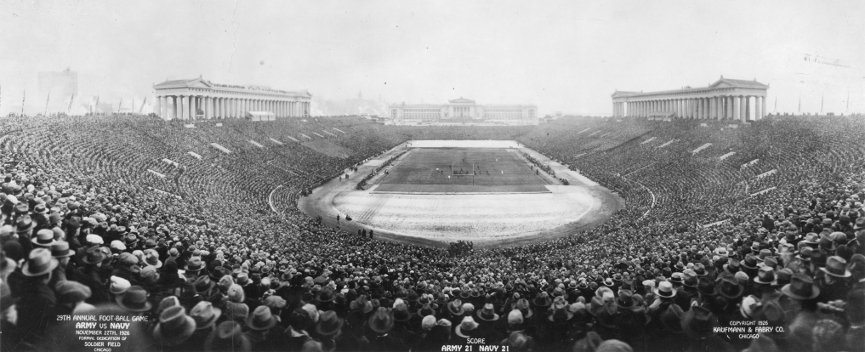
<point>561,55</point>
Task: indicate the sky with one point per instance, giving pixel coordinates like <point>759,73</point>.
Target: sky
<point>563,56</point>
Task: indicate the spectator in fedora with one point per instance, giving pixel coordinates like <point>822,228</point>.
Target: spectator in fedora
<point>174,329</point>
<point>264,329</point>
<point>39,301</point>
<point>205,316</point>
<point>378,337</point>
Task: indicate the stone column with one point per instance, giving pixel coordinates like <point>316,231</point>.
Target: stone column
<point>720,108</point>
<point>181,111</point>
<point>692,111</point>
<point>710,107</point>
<point>758,108</point>
<point>717,110</point>
<point>193,107</point>
<point>763,102</point>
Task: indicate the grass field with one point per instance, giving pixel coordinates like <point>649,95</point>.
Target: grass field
<point>455,170</point>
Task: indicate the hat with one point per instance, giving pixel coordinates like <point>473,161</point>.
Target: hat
<point>766,276</point>
<point>242,279</point>
<point>487,313</point>
<point>362,304</point>
<point>174,326</point>
<point>152,259</point>
<point>455,307</point>
<point>39,262</point>
<point>203,283</point>
<point>94,239</point>
<point>225,282</point>
<point>542,300</point>
<point>24,224</point>
<point>127,259</point>
<point>732,265</point>
<point>275,302</point>
<point>515,317</point>
<point>228,336</point>
<point>613,345</point>
<point>677,278</point>
<point>729,288</point>
<point>665,289</point>
<point>195,264</point>
<point>261,319</point>
<point>381,321</point>
<point>93,255</point>
<point>72,291</point>
<point>561,312</point>
<point>801,287</point>
<point>329,323</point>
<point>428,322</point>
<point>166,302</point>
<point>750,262</point>
<point>60,249</point>
<point>749,305</point>
<point>467,324</point>
<point>149,272</point>
<point>135,300</point>
<point>625,300</point>
<point>118,285</point>
<point>44,238</point>
<point>837,267</point>
<point>523,305</point>
<point>698,322</point>
<point>204,314</point>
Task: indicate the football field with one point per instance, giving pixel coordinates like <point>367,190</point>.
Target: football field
<point>485,191</point>
<point>456,170</point>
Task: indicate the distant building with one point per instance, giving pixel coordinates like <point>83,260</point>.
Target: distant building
<point>463,110</point>
<point>197,98</point>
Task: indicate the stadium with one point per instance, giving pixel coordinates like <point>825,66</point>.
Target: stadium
<point>162,188</point>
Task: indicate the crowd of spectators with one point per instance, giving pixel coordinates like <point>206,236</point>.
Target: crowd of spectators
<point>216,255</point>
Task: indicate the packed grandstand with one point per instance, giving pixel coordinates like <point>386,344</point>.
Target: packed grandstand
<point>726,229</point>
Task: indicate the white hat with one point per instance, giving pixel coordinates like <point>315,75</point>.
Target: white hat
<point>116,245</point>
<point>94,239</point>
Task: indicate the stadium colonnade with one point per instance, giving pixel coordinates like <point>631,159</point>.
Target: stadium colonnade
<point>726,99</point>
<point>191,99</point>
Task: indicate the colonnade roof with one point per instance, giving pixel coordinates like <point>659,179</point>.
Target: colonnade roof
<point>722,83</point>
<point>199,83</point>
